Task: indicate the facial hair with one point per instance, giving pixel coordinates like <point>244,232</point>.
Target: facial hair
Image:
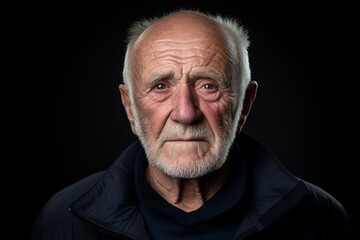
<point>211,160</point>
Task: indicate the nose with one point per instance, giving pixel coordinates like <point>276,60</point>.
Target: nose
<point>186,105</point>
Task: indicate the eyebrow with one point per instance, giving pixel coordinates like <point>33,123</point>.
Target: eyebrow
<point>158,77</point>
<point>208,74</point>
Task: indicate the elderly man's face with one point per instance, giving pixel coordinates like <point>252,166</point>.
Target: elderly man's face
<point>184,104</point>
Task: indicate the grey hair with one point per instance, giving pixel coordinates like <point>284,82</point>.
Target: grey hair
<point>237,47</point>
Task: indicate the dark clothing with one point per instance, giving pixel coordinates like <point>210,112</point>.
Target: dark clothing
<point>215,219</point>
<point>275,204</point>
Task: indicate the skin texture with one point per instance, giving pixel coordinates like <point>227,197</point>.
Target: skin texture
<point>184,107</point>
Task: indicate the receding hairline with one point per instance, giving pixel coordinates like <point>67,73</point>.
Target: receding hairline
<point>181,19</point>
<point>137,28</point>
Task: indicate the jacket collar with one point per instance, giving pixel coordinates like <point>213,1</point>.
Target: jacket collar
<point>271,189</point>
<point>110,205</point>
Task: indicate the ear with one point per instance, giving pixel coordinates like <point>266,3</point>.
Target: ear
<point>125,98</point>
<point>250,95</point>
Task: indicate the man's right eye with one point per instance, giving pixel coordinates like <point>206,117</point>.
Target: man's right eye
<point>160,86</point>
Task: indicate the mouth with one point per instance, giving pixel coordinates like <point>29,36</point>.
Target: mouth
<point>178,141</point>
<point>182,139</point>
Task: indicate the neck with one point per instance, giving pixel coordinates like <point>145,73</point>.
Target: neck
<point>187,194</point>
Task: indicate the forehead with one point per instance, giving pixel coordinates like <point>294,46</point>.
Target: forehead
<point>188,40</point>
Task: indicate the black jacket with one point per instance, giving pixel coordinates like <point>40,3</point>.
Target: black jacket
<point>280,205</point>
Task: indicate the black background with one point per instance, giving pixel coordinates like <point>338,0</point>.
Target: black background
<point>70,121</point>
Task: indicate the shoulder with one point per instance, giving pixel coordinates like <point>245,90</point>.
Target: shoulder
<point>323,200</point>
<point>323,212</point>
<point>54,215</point>
<point>318,215</point>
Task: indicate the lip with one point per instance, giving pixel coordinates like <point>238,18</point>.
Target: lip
<point>186,140</point>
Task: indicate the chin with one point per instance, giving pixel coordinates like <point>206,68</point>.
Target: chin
<point>188,166</point>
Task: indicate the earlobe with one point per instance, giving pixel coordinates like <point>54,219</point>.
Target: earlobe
<point>125,99</point>
<point>250,95</point>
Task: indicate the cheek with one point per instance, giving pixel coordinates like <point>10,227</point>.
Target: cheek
<point>218,115</point>
<point>152,116</point>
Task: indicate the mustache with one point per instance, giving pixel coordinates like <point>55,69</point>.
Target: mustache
<point>188,132</point>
